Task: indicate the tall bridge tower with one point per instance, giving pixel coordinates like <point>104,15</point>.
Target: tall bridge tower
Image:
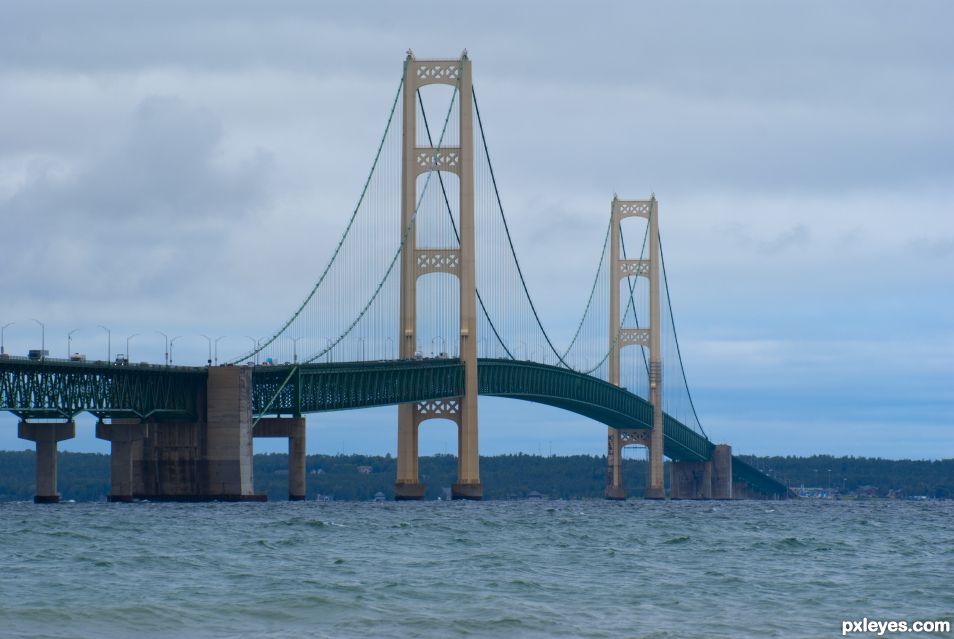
<point>648,338</point>
<point>459,261</point>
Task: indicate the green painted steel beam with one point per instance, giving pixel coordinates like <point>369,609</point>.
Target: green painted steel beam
<point>62,389</point>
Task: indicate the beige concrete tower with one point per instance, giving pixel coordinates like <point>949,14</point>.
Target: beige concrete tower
<point>646,337</point>
<point>459,261</point>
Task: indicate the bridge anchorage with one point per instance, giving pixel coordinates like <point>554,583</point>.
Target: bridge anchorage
<point>187,433</point>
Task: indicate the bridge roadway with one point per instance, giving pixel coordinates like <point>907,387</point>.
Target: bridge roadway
<point>62,389</point>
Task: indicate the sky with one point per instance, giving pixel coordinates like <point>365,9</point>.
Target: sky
<point>187,168</point>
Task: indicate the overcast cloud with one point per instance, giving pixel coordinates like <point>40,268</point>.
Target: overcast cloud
<point>188,167</point>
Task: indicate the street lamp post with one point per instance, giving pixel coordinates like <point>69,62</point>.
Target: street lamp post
<point>361,341</point>
<point>390,354</point>
<point>69,343</point>
<point>167,345</point>
<point>209,340</point>
<point>295,349</point>
<point>109,343</point>
<point>172,344</point>
<point>128,340</point>
<point>42,338</point>
<point>2,330</point>
<point>217,340</point>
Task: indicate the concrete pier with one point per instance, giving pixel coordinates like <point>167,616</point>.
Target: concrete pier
<point>207,459</point>
<point>467,491</point>
<point>123,435</point>
<point>294,429</point>
<point>722,472</point>
<point>741,490</point>
<point>227,458</point>
<point>690,480</point>
<point>46,435</point>
<point>409,490</point>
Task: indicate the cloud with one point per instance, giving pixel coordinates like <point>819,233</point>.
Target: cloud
<point>938,247</point>
<point>796,236</point>
<point>134,221</point>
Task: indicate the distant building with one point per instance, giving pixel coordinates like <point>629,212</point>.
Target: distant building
<point>379,496</point>
<point>364,470</point>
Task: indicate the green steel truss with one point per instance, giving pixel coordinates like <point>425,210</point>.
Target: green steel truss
<point>312,388</point>
<point>576,392</point>
<point>35,389</point>
<point>759,481</point>
<point>60,389</point>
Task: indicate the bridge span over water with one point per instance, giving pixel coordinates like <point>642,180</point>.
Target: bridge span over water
<point>442,278</point>
<point>129,400</point>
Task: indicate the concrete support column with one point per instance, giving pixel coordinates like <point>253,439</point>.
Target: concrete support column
<point>228,437</point>
<point>690,480</point>
<point>46,436</point>
<point>294,429</point>
<point>296,462</point>
<point>722,472</point>
<point>122,434</point>
<point>614,471</point>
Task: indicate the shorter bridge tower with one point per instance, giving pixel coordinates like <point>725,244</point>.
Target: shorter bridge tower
<point>647,337</point>
<point>459,261</point>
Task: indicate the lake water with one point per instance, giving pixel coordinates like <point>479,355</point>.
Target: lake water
<point>490,569</point>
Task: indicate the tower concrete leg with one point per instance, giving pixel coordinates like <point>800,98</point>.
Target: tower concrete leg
<point>46,436</point>
<point>122,435</point>
<point>408,485</point>
<point>468,484</point>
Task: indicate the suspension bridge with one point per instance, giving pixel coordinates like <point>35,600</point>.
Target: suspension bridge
<point>426,309</point>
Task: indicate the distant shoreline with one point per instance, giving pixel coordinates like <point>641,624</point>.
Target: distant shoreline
<point>85,476</point>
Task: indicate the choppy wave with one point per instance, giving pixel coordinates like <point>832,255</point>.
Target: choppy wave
<point>493,569</point>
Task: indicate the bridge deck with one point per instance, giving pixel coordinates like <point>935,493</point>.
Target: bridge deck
<point>62,389</point>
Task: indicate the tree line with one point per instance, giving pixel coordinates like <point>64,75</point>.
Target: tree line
<point>85,476</point>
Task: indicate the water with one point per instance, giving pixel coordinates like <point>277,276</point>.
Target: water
<point>491,569</point>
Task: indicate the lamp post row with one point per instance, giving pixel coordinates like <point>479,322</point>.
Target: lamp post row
<point>213,344</point>
<point>169,342</point>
